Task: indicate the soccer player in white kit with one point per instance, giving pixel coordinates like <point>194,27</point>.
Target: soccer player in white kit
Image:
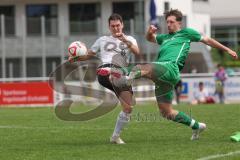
<point>114,51</point>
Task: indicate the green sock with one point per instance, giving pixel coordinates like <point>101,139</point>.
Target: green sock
<point>129,68</point>
<point>185,119</point>
<point>135,73</point>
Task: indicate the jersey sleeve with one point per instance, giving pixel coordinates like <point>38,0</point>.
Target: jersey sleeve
<point>160,38</point>
<point>193,35</point>
<point>96,46</point>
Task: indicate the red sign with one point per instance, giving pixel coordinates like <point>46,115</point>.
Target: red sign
<point>25,93</point>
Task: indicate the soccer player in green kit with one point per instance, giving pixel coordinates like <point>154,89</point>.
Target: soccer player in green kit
<point>165,70</point>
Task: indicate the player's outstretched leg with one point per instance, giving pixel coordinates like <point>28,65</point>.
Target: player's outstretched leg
<point>180,117</point>
<point>135,72</point>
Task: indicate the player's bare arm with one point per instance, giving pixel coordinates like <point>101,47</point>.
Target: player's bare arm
<point>151,34</point>
<point>90,54</point>
<point>213,43</point>
<point>133,48</point>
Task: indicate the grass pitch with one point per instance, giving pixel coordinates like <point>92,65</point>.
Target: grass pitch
<point>37,134</point>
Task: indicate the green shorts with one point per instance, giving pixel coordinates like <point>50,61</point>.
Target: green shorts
<point>165,76</point>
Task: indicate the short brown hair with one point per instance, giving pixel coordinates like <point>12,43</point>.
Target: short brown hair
<point>174,12</point>
<point>200,84</point>
<point>114,17</point>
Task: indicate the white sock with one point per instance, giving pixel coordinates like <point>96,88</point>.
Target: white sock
<point>122,121</point>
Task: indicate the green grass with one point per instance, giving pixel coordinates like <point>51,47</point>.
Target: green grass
<point>37,134</point>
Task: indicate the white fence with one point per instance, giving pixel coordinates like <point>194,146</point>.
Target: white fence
<point>145,92</point>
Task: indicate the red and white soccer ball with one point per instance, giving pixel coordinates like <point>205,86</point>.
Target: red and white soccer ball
<point>77,48</point>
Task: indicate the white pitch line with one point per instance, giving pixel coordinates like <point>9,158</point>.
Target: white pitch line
<point>220,155</point>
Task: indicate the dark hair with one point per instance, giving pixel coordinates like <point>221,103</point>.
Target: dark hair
<point>114,17</point>
<point>219,65</point>
<point>174,12</point>
<point>200,84</point>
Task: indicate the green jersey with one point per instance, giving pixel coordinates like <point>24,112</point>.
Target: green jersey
<point>175,46</point>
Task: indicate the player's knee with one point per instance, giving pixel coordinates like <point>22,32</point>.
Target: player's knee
<point>128,109</point>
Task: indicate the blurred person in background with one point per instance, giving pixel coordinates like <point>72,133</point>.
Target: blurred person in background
<point>220,78</point>
<point>178,91</point>
<point>201,96</point>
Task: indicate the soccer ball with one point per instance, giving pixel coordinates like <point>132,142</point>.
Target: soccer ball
<point>77,48</point>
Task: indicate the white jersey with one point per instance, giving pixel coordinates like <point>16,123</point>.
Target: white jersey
<point>111,50</point>
<point>201,95</point>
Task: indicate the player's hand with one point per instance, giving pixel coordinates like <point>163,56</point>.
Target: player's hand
<point>233,54</point>
<point>71,59</point>
<point>121,37</point>
<point>152,29</point>
<point>151,34</point>
<point>75,59</point>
